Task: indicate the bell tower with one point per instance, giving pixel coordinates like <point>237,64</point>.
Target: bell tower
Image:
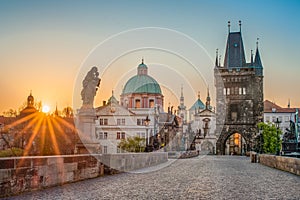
<point>239,93</point>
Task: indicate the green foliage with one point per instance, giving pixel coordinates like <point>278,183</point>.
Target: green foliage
<point>271,137</point>
<point>11,152</point>
<point>133,144</point>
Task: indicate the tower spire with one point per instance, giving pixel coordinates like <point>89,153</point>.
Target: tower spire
<point>257,60</point>
<point>289,103</point>
<point>228,26</point>
<point>240,24</point>
<point>207,104</point>
<point>251,57</point>
<point>217,64</point>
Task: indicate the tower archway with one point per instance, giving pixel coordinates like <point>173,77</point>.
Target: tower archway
<point>234,142</point>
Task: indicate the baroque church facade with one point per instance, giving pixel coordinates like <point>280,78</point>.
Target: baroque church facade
<point>139,113</point>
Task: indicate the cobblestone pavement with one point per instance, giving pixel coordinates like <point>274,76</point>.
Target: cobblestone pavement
<point>207,177</point>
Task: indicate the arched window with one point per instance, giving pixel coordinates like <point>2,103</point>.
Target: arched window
<point>137,103</point>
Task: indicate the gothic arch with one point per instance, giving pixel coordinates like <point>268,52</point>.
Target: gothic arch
<point>226,134</point>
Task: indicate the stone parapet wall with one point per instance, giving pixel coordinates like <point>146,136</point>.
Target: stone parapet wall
<point>22,174</point>
<point>288,164</point>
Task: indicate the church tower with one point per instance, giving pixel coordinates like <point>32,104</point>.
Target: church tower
<point>182,108</point>
<point>239,93</point>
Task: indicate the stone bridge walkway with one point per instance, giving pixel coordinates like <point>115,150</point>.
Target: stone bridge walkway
<point>206,177</point>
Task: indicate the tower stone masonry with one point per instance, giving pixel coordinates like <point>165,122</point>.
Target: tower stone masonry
<point>239,93</point>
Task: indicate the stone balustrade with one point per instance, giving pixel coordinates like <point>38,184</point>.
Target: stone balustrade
<point>288,164</point>
<point>21,174</point>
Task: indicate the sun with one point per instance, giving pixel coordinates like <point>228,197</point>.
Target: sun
<point>45,109</point>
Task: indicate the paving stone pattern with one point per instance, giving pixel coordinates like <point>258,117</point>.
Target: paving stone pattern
<point>203,177</point>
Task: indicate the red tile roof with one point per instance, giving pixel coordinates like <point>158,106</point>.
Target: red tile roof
<point>272,107</point>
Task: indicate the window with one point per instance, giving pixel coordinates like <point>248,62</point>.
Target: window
<point>267,119</point>
<point>120,135</point>
<point>103,136</point>
<point>151,103</point>
<point>105,149</point>
<point>287,118</point>
<point>244,91</point>
<point>273,119</point>
<point>140,134</point>
<point>137,103</point>
<point>240,91</point>
<point>280,118</point>
<point>120,121</point>
<point>228,91</point>
<point>139,122</point>
<point>103,121</point>
<point>224,91</point>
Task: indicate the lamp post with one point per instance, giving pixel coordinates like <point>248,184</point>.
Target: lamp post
<point>277,122</point>
<point>260,140</point>
<point>146,123</point>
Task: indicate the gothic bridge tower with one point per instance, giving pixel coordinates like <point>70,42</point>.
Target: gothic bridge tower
<point>239,93</point>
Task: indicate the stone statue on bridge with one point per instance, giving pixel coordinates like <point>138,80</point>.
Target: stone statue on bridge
<point>90,86</point>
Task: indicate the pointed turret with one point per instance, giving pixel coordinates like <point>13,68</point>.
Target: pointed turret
<point>257,61</point>
<point>207,104</point>
<point>235,54</point>
<point>56,111</point>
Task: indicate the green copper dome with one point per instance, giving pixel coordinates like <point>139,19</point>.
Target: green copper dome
<point>142,84</point>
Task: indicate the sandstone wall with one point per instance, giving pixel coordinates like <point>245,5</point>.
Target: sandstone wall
<point>21,174</point>
<point>288,164</point>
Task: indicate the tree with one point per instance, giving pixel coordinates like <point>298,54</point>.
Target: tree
<point>10,113</point>
<point>67,112</point>
<point>133,144</point>
<point>271,137</point>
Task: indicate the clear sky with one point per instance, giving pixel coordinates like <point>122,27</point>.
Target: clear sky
<point>45,44</point>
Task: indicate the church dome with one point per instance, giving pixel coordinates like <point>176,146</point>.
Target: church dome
<point>142,82</point>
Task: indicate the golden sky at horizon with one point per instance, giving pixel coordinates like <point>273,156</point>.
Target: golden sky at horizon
<point>48,47</point>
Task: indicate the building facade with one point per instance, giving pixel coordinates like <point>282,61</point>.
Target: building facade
<point>139,113</point>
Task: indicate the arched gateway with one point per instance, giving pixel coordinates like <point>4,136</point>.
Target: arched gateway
<point>239,92</point>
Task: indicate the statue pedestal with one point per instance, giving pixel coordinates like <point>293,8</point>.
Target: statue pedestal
<point>85,124</point>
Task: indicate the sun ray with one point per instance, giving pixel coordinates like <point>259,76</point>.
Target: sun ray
<point>28,125</point>
<point>53,138</point>
<point>21,120</point>
<point>60,130</point>
<point>67,124</point>
<point>32,137</point>
<point>43,137</point>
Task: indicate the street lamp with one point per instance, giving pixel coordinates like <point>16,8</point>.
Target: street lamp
<point>260,140</point>
<point>146,123</point>
<point>277,122</point>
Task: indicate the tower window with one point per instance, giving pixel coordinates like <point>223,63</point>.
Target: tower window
<point>137,103</point>
<point>224,91</point>
<point>244,91</point>
<point>151,103</point>
<point>228,91</point>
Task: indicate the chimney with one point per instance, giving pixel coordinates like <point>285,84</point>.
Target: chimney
<point>104,103</point>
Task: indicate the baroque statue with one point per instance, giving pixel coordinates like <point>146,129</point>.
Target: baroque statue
<point>90,85</point>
